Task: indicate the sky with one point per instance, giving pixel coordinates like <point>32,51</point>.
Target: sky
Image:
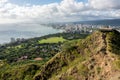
<point>42,11</point>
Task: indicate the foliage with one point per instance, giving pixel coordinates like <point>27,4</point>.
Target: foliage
<point>14,66</point>
<point>32,48</point>
<point>113,39</point>
<point>78,59</point>
<point>21,72</point>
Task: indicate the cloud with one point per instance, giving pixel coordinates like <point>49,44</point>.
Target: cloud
<point>66,10</point>
<point>105,4</point>
<point>3,1</point>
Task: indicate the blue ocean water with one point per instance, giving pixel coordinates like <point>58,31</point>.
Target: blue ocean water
<point>8,31</point>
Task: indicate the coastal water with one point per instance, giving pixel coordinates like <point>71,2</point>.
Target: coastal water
<point>8,31</point>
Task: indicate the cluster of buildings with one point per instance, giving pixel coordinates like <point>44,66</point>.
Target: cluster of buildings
<point>12,40</point>
<point>82,28</point>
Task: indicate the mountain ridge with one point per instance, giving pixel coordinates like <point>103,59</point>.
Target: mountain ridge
<point>95,58</point>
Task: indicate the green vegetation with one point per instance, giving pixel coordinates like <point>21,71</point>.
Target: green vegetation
<point>71,56</point>
<point>52,40</point>
<point>98,70</point>
<point>21,72</point>
<point>118,64</point>
<point>113,39</point>
<point>64,56</point>
<point>86,59</point>
<point>18,59</point>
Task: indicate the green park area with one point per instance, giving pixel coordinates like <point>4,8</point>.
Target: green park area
<point>52,40</point>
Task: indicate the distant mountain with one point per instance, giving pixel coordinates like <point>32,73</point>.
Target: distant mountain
<point>112,22</point>
<point>95,58</point>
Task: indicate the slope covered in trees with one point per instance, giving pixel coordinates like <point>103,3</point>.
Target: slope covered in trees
<point>22,60</point>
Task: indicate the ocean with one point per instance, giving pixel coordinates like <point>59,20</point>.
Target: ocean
<point>8,31</point>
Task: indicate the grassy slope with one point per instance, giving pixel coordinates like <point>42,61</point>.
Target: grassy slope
<point>20,70</point>
<point>26,69</point>
<point>52,40</point>
<point>85,59</point>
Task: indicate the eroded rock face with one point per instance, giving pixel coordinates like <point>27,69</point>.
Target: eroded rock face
<point>95,58</point>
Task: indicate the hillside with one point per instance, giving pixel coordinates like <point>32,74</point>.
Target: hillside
<point>29,49</point>
<point>95,58</point>
<point>23,59</point>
